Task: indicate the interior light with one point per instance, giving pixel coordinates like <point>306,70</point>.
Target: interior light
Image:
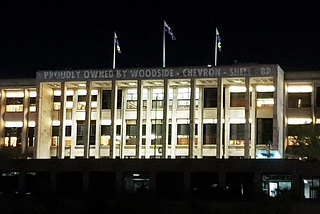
<point>105,122</point>
<point>132,83</point>
<point>94,92</point>
<point>56,123</point>
<point>32,124</point>
<point>33,94</point>
<point>296,121</point>
<point>57,93</point>
<point>15,94</point>
<point>265,88</point>
<point>68,122</point>
<point>299,89</point>
<point>183,82</point>
<point>82,92</point>
<point>82,84</point>
<point>157,83</point>
<point>13,124</point>
<point>69,93</point>
<point>237,81</point>
<point>238,89</point>
<point>239,120</point>
<point>136,175</point>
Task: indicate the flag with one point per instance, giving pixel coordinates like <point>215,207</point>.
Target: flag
<point>169,31</point>
<point>117,43</point>
<point>218,41</point>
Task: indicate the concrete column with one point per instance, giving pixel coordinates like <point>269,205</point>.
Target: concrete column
<point>123,123</point>
<point>53,182</point>
<point>62,118</point>
<point>85,180</point>
<point>253,113</point>
<point>247,116</point>
<point>119,182</point>
<point>174,123</point>
<point>192,118</point>
<point>74,124</point>
<point>219,145</point>
<point>165,124</point>
<point>227,122</point>
<point>187,183</point>
<point>139,119</point>
<point>114,94</point>
<point>22,182</point>
<point>152,184</point>
<point>2,112</point>
<point>24,134</point>
<point>148,124</point>
<point>200,123</point>
<point>87,121</point>
<point>98,125</point>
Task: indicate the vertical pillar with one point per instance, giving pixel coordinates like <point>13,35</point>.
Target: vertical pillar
<point>187,183</point>
<point>74,124</point>
<point>253,113</point>
<point>165,134</point>
<point>247,115</point>
<point>174,123</point>
<point>219,143</point>
<point>98,125</point>
<point>148,124</point>
<point>123,123</point>
<point>24,134</point>
<point>200,123</point>
<point>87,121</point>
<point>192,118</point>
<point>118,184</point>
<point>139,119</point>
<point>62,118</point>
<point>22,182</point>
<point>227,122</point>
<point>85,180</point>
<point>114,94</point>
<point>2,111</point>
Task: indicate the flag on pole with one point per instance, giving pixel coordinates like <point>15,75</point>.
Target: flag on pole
<point>169,31</point>
<point>117,43</point>
<point>218,40</point>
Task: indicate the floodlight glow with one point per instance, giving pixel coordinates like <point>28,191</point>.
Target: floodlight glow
<point>69,93</point>
<point>32,124</point>
<point>296,121</point>
<point>105,122</point>
<point>68,122</point>
<point>299,89</point>
<point>239,120</point>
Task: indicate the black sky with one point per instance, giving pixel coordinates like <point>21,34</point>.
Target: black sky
<point>54,34</point>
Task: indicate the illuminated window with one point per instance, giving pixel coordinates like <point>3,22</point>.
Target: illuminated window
<point>184,97</point>
<point>14,104</point>
<point>183,132</point>
<point>209,134</point>
<point>56,101</point>
<point>299,100</point>
<point>32,104</point>
<point>237,134</point>
<point>12,136</point>
<point>265,99</point>
<point>106,135</point>
<point>132,98</point>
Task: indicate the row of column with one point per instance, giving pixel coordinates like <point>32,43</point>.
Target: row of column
<point>222,113</point>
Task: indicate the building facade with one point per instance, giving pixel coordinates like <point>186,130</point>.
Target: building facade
<point>240,111</point>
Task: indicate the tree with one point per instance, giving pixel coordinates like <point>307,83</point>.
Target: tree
<point>305,139</point>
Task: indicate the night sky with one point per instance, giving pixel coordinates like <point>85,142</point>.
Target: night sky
<point>47,35</point>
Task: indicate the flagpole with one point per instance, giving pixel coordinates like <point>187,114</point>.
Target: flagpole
<point>164,47</point>
<point>114,50</point>
<point>215,49</point>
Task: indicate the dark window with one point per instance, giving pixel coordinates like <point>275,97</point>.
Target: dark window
<point>94,97</point>
<point>209,133</point>
<point>264,94</point>
<point>14,101</point>
<point>68,131</point>
<point>237,131</point>
<point>92,132</point>
<point>32,100</point>
<point>106,130</point>
<point>80,132</point>
<point>238,99</point>
<point>210,98</point>
<point>31,135</point>
<point>318,97</point>
<point>55,130</point>
<point>106,99</point>
<point>299,100</point>
<point>69,98</point>
<point>264,130</point>
<point>82,98</point>
<point>56,98</point>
